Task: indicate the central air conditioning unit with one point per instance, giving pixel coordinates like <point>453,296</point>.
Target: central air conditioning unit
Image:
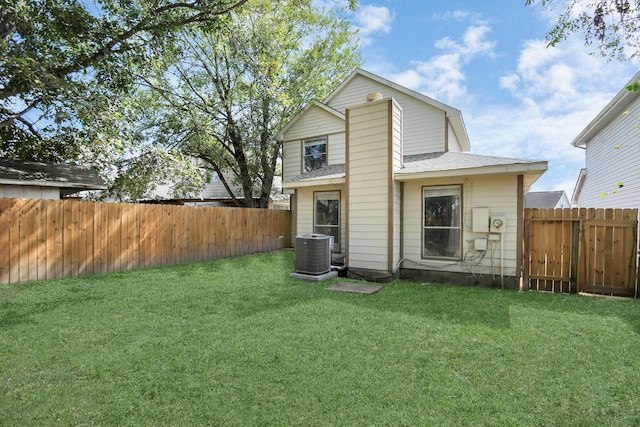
<point>313,254</point>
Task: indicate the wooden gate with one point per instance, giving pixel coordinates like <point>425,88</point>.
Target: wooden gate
<point>581,250</point>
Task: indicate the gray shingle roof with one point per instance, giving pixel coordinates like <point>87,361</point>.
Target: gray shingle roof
<point>420,163</point>
<point>444,161</point>
<point>20,172</point>
<point>333,171</point>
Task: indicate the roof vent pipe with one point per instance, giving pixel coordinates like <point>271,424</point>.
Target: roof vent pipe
<point>374,96</point>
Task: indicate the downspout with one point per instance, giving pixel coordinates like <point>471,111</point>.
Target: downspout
<point>520,232</point>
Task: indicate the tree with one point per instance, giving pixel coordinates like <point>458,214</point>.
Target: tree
<point>613,25</point>
<point>224,95</point>
<point>64,62</point>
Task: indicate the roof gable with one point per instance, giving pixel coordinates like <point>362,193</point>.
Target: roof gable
<point>453,114</point>
<point>298,118</point>
<point>613,110</point>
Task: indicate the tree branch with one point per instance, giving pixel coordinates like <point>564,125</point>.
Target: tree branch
<point>146,24</point>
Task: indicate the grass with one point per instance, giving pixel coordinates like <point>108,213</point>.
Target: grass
<point>237,342</point>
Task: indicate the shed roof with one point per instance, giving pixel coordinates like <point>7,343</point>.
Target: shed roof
<point>69,178</point>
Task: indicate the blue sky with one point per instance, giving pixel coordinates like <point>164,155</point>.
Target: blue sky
<point>489,59</point>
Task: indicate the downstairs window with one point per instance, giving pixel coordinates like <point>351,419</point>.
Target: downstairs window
<point>442,233</point>
<point>326,216</point>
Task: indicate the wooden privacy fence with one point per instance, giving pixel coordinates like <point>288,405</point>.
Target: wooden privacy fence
<point>44,239</point>
<point>581,250</point>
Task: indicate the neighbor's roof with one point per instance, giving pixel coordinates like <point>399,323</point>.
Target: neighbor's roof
<point>543,199</point>
<point>613,109</point>
<point>70,177</point>
<point>432,165</point>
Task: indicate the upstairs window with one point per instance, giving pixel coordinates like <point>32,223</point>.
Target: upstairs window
<point>315,153</point>
<point>442,233</point>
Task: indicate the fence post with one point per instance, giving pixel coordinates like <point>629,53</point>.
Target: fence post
<point>575,246</point>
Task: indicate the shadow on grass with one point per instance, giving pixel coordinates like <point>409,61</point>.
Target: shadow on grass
<point>443,303</point>
<point>17,313</point>
<point>486,306</point>
<point>249,285</point>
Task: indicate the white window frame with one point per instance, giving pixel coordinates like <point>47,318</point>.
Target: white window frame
<point>310,142</point>
<point>455,225</point>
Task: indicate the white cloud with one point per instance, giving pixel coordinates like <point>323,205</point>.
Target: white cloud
<point>371,20</point>
<point>442,76</point>
<point>555,93</point>
<point>460,16</point>
<point>541,99</point>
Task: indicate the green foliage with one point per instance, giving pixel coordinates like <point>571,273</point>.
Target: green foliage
<point>221,97</point>
<point>612,26</point>
<point>56,54</point>
<point>68,69</point>
<point>633,87</point>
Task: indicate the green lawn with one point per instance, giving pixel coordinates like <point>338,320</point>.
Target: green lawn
<point>237,342</point>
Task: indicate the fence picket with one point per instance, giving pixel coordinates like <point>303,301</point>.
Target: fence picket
<point>5,242</point>
<point>14,241</point>
<point>595,250</point>
<point>62,238</point>
<point>42,239</point>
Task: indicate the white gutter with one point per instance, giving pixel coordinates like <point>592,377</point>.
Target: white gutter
<point>528,168</point>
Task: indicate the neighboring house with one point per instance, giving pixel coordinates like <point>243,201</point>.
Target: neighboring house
<point>612,155</point>
<point>546,199</point>
<point>385,171</point>
<point>35,180</point>
<point>215,194</point>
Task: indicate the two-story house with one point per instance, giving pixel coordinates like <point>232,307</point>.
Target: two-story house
<point>386,171</point>
<point>611,177</point>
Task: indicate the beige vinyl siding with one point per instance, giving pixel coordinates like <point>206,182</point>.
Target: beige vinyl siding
<point>498,193</point>
<point>607,165</point>
<point>291,159</point>
<point>397,150</point>
<point>29,192</point>
<point>453,143</point>
<point>292,153</point>
<point>336,148</point>
<point>304,220</point>
<point>424,125</point>
<point>368,172</point>
<point>397,132</point>
<point>314,122</point>
<point>304,213</point>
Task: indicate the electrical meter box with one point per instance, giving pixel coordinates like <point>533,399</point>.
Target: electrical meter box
<point>498,224</point>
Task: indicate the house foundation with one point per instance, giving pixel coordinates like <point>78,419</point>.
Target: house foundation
<point>487,280</point>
